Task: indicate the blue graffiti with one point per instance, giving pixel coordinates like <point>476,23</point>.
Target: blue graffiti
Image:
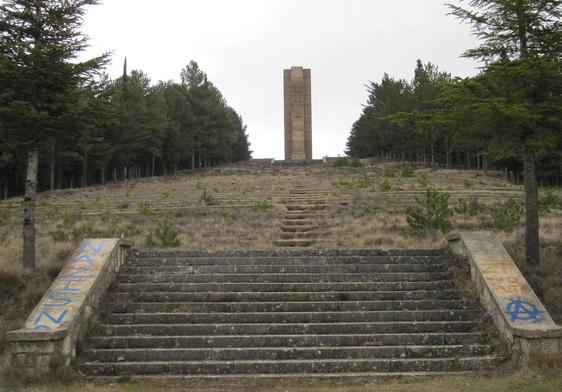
<point>89,244</point>
<point>521,310</point>
<point>81,258</point>
<point>56,320</point>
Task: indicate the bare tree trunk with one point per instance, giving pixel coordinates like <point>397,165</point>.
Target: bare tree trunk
<point>29,209</point>
<point>153,165</point>
<point>52,169</point>
<point>84,178</point>
<point>432,155</point>
<point>102,175</point>
<point>532,250</point>
<point>485,164</point>
<point>192,159</point>
<point>5,190</point>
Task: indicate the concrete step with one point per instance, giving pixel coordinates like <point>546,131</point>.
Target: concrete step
<point>302,235</point>
<point>295,340</point>
<point>289,328</point>
<point>299,222</point>
<point>292,366</point>
<point>305,207</point>
<point>293,243</point>
<point>284,296</point>
<point>297,260</point>
<point>285,277</point>
<point>284,287</point>
<point>300,229</point>
<point>283,269</point>
<point>328,306</point>
<point>310,214</point>
<point>292,253</point>
<point>190,317</point>
<point>282,353</point>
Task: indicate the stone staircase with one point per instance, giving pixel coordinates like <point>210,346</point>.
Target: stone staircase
<point>303,221</point>
<point>285,313</point>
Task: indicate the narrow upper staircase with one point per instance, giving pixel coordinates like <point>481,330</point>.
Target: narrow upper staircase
<point>286,313</point>
<point>303,220</point>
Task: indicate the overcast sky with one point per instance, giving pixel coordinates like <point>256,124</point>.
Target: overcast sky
<point>244,45</point>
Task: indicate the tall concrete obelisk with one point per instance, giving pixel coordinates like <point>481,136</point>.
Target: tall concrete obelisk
<point>298,114</point>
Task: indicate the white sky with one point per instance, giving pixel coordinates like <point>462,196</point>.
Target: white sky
<point>244,45</point>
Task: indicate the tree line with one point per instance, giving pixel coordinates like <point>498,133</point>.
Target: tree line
<point>87,128</point>
<point>510,114</point>
<point>122,129</point>
<point>434,120</point>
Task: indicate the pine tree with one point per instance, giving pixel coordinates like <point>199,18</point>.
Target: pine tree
<point>521,45</point>
<point>39,41</point>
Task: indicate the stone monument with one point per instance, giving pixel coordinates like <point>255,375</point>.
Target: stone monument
<point>298,116</point>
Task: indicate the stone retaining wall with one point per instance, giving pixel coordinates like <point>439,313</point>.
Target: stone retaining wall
<point>49,338</point>
<point>519,315</point>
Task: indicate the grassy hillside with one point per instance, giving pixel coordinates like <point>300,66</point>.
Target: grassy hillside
<point>242,206</point>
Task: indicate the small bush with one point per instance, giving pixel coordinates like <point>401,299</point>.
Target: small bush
<point>507,216</point>
<point>465,208</point>
<point>385,185</point>
<point>165,236</point>
<point>355,162</point>
<point>431,214</point>
<point>260,206</point>
<point>208,198</point>
<point>59,235</point>
<point>424,180</point>
<point>365,182</point>
<point>548,201</point>
<point>407,173</point>
<point>146,210</point>
<point>4,215</point>
<point>341,162</point>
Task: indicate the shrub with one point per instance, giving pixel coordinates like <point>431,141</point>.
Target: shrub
<point>59,235</point>
<point>260,206</point>
<point>430,214</point>
<point>424,180</point>
<point>208,198</point>
<point>365,182</point>
<point>355,162</point>
<point>385,185</point>
<point>165,236</point>
<point>548,201</point>
<point>507,216</point>
<point>146,210</point>
<point>471,208</point>
<point>407,173</point>
<point>4,215</point>
<point>341,162</point>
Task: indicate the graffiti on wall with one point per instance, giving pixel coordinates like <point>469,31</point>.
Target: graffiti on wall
<point>67,293</point>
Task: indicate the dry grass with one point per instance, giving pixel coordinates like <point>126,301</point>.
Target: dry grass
<point>483,382</point>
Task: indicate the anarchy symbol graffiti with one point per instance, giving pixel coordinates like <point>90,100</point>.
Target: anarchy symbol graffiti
<point>520,310</point>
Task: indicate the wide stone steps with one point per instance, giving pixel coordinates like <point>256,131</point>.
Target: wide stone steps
<point>293,340</point>
<point>305,312</point>
<point>287,296</point>
<point>290,328</point>
<point>291,366</point>
<point>285,277</point>
<point>285,269</point>
<point>291,317</point>
<point>294,287</point>
<point>328,306</point>
<point>283,353</point>
<point>284,261</point>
